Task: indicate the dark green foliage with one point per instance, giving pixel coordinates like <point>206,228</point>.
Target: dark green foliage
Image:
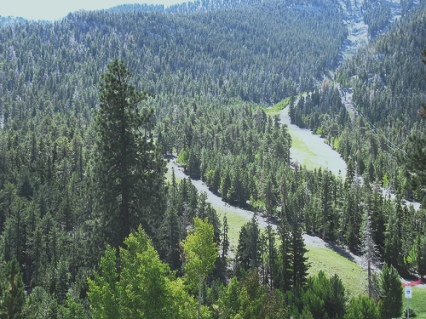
<point>393,240</point>
<point>60,187</point>
<point>171,229</point>
<point>40,304</point>
<point>422,257</point>
<point>416,163</point>
<point>269,258</point>
<point>128,172</point>
<point>377,14</point>
<point>390,293</point>
<point>223,253</point>
<point>325,297</point>
<point>384,82</point>
<point>326,205</point>
<point>284,278</point>
<point>300,263</point>
<point>235,155</point>
<point>323,112</point>
<point>12,294</point>
<point>248,250</point>
<point>362,307</point>
<point>248,299</point>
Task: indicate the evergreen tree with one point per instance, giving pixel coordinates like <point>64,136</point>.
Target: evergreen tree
<point>370,255</point>
<point>269,194</point>
<point>284,278</point>
<point>416,158</point>
<point>390,293</point>
<point>248,249</point>
<point>170,236</point>
<point>392,253</point>
<point>421,255</point>
<point>271,250</point>
<point>225,246</point>
<point>128,169</point>
<point>325,297</point>
<point>41,305</point>
<point>326,204</point>
<point>362,307</point>
<point>12,294</point>
<point>300,263</point>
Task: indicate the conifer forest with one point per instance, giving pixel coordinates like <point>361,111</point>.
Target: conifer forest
<point>146,170</point>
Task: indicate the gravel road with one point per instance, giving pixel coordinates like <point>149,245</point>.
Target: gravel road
<point>215,200</point>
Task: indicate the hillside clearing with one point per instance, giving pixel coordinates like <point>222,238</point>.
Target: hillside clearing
<point>322,256</point>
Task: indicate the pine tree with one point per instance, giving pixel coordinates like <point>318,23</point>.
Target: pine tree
<point>225,246</point>
<point>271,257</point>
<point>284,279</point>
<point>362,307</point>
<point>390,293</point>
<point>421,256</point>
<point>392,252</point>
<point>325,297</point>
<point>269,196</point>
<point>170,234</point>
<point>248,250</point>
<point>326,204</point>
<point>300,263</point>
<point>416,158</point>
<point>128,169</point>
<point>12,296</point>
<point>352,218</point>
<point>370,255</point>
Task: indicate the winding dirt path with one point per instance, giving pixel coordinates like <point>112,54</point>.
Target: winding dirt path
<point>217,203</point>
<point>215,200</point>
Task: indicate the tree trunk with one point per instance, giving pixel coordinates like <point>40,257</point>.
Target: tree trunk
<point>369,278</point>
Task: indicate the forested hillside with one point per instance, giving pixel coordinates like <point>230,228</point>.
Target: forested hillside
<point>92,105</point>
<point>383,86</point>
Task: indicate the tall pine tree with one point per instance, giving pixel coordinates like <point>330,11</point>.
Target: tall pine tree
<point>128,169</point>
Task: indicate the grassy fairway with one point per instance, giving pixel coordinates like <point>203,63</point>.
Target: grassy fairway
<point>321,258</point>
<point>418,302</point>
<point>235,222</point>
<point>277,108</point>
<point>307,157</point>
<point>354,278</point>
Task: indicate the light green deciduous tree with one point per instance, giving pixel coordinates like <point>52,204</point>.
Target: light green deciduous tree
<point>200,252</point>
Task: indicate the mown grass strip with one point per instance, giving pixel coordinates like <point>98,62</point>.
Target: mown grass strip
<point>418,302</point>
<point>352,275</point>
<point>277,108</point>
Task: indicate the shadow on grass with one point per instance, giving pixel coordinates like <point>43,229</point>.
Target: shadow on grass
<point>342,251</point>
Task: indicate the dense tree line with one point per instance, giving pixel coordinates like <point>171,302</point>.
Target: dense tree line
<point>233,149</point>
<point>172,55</point>
<point>374,135</point>
<point>332,207</point>
<point>385,81</point>
<point>84,204</point>
<point>375,138</point>
<point>52,255</point>
<point>377,15</point>
<point>62,205</point>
